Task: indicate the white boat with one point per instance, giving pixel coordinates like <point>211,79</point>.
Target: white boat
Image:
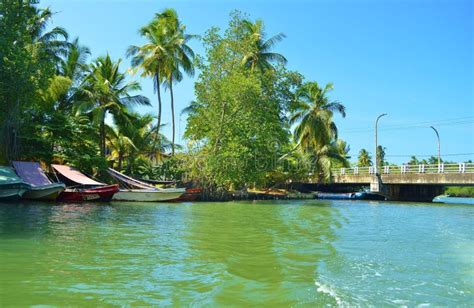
<point>149,195</point>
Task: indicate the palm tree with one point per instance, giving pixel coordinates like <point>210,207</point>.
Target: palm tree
<point>165,56</point>
<point>107,92</point>
<point>72,70</point>
<point>364,160</point>
<point>119,145</point>
<point>52,43</point>
<point>150,57</point>
<point>179,58</point>
<point>260,55</point>
<point>313,111</point>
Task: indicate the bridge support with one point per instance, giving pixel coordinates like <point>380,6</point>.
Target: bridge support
<point>410,192</point>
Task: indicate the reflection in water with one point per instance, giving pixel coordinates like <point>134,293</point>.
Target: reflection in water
<point>241,253</point>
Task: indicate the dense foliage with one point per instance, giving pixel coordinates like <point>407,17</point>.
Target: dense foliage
<point>253,122</point>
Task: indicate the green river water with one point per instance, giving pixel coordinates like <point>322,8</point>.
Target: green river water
<point>273,253</point>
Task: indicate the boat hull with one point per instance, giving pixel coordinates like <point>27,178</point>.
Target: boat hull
<point>145,195</point>
<point>191,194</point>
<point>96,194</point>
<point>45,193</point>
<point>349,196</point>
<point>12,192</point>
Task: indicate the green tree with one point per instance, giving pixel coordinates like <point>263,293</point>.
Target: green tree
<point>107,92</point>
<point>260,54</point>
<point>364,159</point>
<point>313,116</point>
<point>236,128</point>
<point>414,161</point>
<point>179,58</point>
<point>380,156</point>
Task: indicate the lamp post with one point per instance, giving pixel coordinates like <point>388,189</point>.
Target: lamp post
<point>376,141</point>
<point>439,145</point>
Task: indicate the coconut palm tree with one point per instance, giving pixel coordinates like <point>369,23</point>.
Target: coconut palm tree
<point>53,43</point>
<point>150,57</point>
<point>119,145</point>
<point>179,58</point>
<point>313,114</point>
<point>165,56</point>
<point>107,92</point>
<point>260,54</point>
<point>364,160</point>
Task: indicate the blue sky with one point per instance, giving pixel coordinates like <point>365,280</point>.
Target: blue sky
<point>411,59</point>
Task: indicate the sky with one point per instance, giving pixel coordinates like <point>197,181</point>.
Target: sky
<point>413,60</point>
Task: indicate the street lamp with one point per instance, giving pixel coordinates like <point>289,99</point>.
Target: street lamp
<point>439,146</point>
<point>376,141</point>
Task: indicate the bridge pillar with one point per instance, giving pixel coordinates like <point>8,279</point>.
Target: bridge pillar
<point>376,184</point>
<point>410,192</point>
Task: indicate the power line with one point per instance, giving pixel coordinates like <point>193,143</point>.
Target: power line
<point>429,155</point>
<point>446,122</point>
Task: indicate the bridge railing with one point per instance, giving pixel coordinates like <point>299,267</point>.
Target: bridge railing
<point>407,169</point>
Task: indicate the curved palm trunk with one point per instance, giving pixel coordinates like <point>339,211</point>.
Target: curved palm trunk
<point>172,115</point>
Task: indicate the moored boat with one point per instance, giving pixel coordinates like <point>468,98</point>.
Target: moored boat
<point>349,196</point>
<point>191,194</point>
<point>135,190</point>
<point>42,188</point>
<point>81,187</point>
<point>12,186</point>
<point>148,195</point>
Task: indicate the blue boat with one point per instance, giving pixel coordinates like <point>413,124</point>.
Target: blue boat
<point>12,186</point>
<point>362,195</point>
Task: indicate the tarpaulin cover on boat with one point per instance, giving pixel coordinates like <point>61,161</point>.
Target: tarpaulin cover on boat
<point>8,176</point>
<point>31,173</point>
<point>75,175</point>
<point>128,181</point>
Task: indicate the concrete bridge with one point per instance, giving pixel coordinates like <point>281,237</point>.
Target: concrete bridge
<point>407,182</point>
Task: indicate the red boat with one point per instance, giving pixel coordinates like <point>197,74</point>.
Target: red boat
<point>101,194</point>
<point>83,188</point>
<point>191,194</point>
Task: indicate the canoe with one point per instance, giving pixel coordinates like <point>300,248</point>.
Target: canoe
<point>42,188</point>
<point>148,195</point>
<point>12,186</point>
<point>100,194</point>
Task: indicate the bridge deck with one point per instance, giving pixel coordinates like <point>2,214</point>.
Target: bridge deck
<point>453,174</point>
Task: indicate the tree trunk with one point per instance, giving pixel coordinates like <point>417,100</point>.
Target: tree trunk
<point>120,159</point>
<point>172,115</point>
<point>102,137</point>
<point>158,91</point>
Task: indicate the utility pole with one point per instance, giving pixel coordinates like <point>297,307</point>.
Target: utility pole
<point>439,146</point>
<point>376,141</point>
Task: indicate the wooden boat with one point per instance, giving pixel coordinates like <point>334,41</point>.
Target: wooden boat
<point>135,190</point>
<point>191,194</point>
<point>42,188</point>
<point>100,194</point>
<point>349,196</point>
<point>12,186</point>
<point>81,187</point>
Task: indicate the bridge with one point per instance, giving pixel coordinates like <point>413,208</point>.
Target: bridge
<point>407,182</point>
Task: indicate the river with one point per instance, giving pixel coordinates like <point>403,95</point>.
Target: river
<point>277,253</point>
